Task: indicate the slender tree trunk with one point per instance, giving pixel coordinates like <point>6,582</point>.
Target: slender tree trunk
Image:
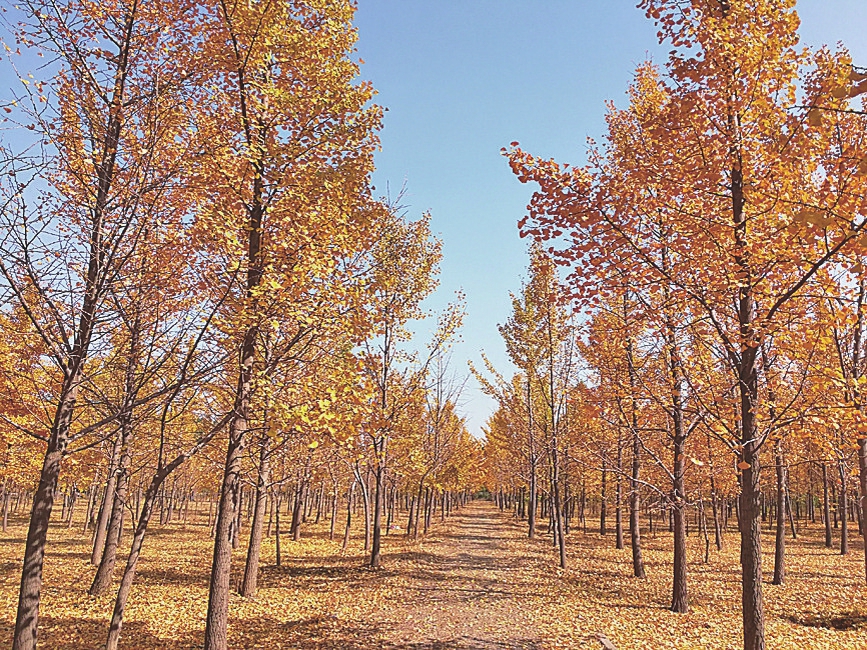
<point>531,506</point>
<point>278,560</point>
<point>826,506</point>
<point>297,512</point>
<point>333,522</point>
<point>254,550</point>
<point>73,497</point>
<point>634,501</point>
<point>410,521</point>
<point>365,502</point>
<point>107,501</point>
<point>350,494</point>
<point>559,533</point>
<point>216,622</point>
<point>679,597</point>
<point>6,498</point>
<point>417,510</point>
<point>748,386</point>
<point>603,505</point>
<point>376,548</point>
<point>105,572</point>
<point>862,476</point>
<point>91,502</point>
<point>843,505</point>
<point>751,554</point>
<point>780,541</point>
<point>618,495</point>
<point>129,572</point>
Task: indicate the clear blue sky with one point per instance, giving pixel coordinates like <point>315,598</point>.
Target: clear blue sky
<point>463,78</point>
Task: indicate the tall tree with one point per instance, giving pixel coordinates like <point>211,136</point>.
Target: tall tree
<point>286,170</point>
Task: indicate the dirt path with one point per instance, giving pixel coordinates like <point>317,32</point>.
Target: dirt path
<point>467,586</point>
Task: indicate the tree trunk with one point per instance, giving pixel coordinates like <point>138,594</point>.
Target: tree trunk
<point>531,506</point>
<point>216,622</point>
<point>826,506</point>
<point>634,502</point>
<point>679,597</point>
<point>254,550</point>
<point>717,529</point>
<point>780,541</point>
<point>27,616</point>
<point>603,505</point>
<point>843,502</point>
<point>105,572</point>
<point>375,551</point>
<point>107,501</point>
<point>862,476</point>
<point>365,501</point>
<point>6,498</point>
<point>333,522</point>
<point>618,496</point>
<point>297,512</point>
<point>634,505</point>
<point>751,554</point>
<point>350,494</point>
<point>560,536</point>
<point>131,565</point>
<point>278,560</point>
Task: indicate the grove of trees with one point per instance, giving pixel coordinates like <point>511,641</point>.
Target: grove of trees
<point>193,259</point>
<point>714,247</point>
<point>206,307</point>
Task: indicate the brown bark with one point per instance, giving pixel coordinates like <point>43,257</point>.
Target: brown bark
<point>349,496</point>
<point>843,506</point>
<point>254,550</point>
<point>634,501</point>
<point>105,572</point>
<point>679,597</point>
<point>750,508</point>
<point>34,551</point>
<point>618,496</point>
<point>107,501</point>
<point>216,622</point>
<point>129,572</point>
<point>603,500</point>
<point>780,541</point>
<point>531,505</point>
<point>333,522</point>
<point>826,506</point>
<point>862,476</point>
<point>376,548</point>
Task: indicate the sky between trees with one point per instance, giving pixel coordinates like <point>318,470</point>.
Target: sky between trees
<point>463,78</point>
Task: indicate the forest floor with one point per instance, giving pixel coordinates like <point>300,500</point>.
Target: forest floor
<point>474,582</point>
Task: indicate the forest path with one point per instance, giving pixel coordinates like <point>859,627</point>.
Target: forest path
<point>468,586</point>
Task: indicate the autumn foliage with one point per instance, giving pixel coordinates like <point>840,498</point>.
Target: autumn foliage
<point>213,327</point>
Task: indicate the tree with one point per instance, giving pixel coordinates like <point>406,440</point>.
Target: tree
<point>287,170</point>
<point>404,264</point>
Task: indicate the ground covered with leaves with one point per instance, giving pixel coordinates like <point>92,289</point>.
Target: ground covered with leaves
<point>474,582</point>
